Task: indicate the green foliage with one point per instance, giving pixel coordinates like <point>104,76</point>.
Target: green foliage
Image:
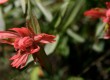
<point>75,78</point>
<point>79,52</point>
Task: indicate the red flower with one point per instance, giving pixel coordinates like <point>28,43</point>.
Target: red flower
<point>103,13</point>
<point>3,1</point>
<point>25,42</point>
<point>108,4</point>
<point>96,12</point>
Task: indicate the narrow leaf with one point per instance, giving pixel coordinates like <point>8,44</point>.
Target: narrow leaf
<point>2,22</point>
<point>49,48</point>
<point>75,36</point>
<point>34,24</point>
<point>74,13</point>
<point>23,5</point>
<point>34,74</point>
<point>63,9</point>
<point>45,11</point>
<point>98,46</point>
<point>75,78</point>
<point>100,29</point>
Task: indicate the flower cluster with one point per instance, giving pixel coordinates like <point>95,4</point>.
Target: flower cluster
<point>104,14</point>
<point>25,42</point>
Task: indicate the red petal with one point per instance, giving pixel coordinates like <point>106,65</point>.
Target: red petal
<point>20,61</point>
<point>107,36</point>
<point>6,42</point>
<point>24,61</point>
<point>7,37</point>
<point>96,13</point>
<point>35,50</point>
<point>16,46</point>
<point>37,38</point>
<point>107,20</point>
<point>16,56</point>
<point>7,34</point>
<point>14,62</point>
<point>3,1</point>
<point>23,43</point>
<point>46,38</point>
<point>23,31</point>
<point>108,4</point>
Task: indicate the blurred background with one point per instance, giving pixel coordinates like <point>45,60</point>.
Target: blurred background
<point>79,52</point>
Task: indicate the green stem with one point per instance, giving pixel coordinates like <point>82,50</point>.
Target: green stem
<point>28,10</point>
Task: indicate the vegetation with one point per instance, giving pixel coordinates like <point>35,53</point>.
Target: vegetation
<point>79,53</point>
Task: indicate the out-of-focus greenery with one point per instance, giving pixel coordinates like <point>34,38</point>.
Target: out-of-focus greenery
<point>79,52</point>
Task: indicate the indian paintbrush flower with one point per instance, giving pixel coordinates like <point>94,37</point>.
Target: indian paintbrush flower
<point>104,14</point>
<point>25,42</point>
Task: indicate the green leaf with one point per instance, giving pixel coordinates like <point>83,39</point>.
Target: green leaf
<point>23,5</point>
<point>34,24</point>
<point>63,9</point>
<point>44,10</point>
<point>72,16</point>
<point>49,48</point>
<point>75,78</point>
<point>99,46</point>
<point>34,74</point>
<point>100,29</point>
<point>63,47</point>
<point>75,36</point>
<point>2,22</point>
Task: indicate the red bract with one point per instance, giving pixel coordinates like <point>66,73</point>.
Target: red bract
<point>96,13</point>
<point>108,4</point>
<point>3,1</point>
<point>103,13</point>
<point>25,42</point>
